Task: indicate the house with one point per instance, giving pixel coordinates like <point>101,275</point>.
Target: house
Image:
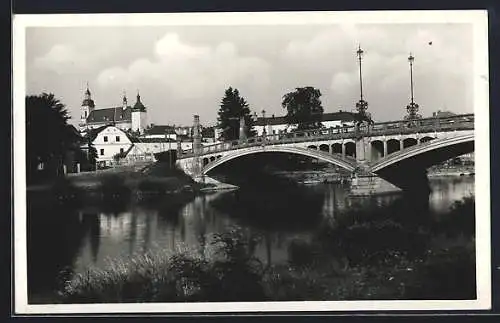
<point>160,131</point>
<point>109,141</point>
<point>144,148</point>
<point>124,117</point>
<point>277,125</point>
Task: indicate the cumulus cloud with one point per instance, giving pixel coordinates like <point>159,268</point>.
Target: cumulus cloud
<point>184,71</point>
<point>189,71</point>
<point>62,58</point>
<point>442,66</point>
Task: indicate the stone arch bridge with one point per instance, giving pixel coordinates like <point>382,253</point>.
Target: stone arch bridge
<point>391,150</point>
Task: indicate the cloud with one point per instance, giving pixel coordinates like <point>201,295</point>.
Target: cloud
<point>189,71</point>
<point>61,58</point>
<point>441,70</point>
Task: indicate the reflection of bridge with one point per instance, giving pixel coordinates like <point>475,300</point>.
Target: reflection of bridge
<point>392,150</point>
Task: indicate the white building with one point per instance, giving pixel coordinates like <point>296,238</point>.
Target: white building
<point>160,131</point>
<point>108,142</point>
<point>277,125</point>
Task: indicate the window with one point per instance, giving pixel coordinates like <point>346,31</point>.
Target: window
<point>85,114</point>
<point>102,152</point>
<point>117,138</point>
<point>121,149</point>
<point>105,138</point>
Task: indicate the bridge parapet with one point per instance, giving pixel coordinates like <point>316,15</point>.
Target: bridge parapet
<point>390,128</point>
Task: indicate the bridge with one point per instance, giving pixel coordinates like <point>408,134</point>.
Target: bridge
<point>394,151</point>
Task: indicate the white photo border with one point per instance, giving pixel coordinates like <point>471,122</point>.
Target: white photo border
<point>479,20</point>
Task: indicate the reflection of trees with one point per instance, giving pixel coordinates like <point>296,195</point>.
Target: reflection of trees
<point>54,238</point>
<point>94,224</point>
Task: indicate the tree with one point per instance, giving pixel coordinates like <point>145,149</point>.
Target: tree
<point>48,135</point>
<point>303,108</point>
<point>232,108</point>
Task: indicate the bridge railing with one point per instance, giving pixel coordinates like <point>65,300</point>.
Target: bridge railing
<point>424,125</point>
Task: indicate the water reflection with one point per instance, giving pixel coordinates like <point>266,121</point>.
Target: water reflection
<point>77,239</point>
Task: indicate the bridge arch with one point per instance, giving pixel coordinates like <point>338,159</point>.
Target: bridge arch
<point>337,148</point>
<point>428,153</point>
<point>312,147</point>
<point>336,159</point>
<point>393,145</point>
<point>426,139</point>
<point>408,142</point>
<point>324,147</point>
<point>350,148</point>
<point>407,168</point>
<point>377,149</point>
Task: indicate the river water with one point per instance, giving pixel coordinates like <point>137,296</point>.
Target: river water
<point>72,239</point>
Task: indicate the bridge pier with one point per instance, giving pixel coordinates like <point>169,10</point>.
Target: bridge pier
<point>371,184</point>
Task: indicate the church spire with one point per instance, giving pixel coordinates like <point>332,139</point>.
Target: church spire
<point>87,92</point>
<point>138,106</point>
<point>125,102</point>
<point>87,98</point>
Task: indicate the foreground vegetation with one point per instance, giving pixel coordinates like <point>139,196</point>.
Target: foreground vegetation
<point>376,255</point>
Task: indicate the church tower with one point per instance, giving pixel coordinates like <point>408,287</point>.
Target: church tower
<point>138,115</point>
<point>86,108</point>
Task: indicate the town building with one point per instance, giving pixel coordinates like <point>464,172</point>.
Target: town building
<point>124,117</point>
<point>277,125</point>
<point>109,141</point>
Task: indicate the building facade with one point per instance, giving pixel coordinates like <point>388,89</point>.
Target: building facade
<point>124,117</point>
<point>109,141</point>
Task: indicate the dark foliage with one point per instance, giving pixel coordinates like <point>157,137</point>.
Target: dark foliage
<point>48,135</point>
<point>232,108</point>
<point>304,108</point>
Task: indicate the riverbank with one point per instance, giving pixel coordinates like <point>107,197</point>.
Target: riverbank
<point>325,176</point>
<point>152,178</point>
<point>120,186</point>
<point>451,171</point>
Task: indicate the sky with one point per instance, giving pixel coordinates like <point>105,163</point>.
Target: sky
<point>184,70</point>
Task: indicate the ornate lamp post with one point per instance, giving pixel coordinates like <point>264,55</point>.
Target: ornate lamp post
<point>412,108</point>
<point>361,105</point>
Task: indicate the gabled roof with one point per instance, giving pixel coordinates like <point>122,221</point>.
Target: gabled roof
<point>339,116</point>
<point>117,114</point>
<point>331,116</point>
<point>92,133</point>
<point>160,130</point>
<point>150,140</point>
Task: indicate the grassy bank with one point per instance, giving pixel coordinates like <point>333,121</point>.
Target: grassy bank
<point>120,186</point>
<point>368,256</point>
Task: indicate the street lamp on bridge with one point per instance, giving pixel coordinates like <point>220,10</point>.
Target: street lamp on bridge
<point>361,105</point>
<point>412,108</point>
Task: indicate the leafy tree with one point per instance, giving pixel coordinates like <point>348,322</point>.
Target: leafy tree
<point>48,135</point>
<point>208,132</point>
<point>303,108</point>
<point>232,108</point>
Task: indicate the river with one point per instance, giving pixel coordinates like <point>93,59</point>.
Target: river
<point>72,239</point>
